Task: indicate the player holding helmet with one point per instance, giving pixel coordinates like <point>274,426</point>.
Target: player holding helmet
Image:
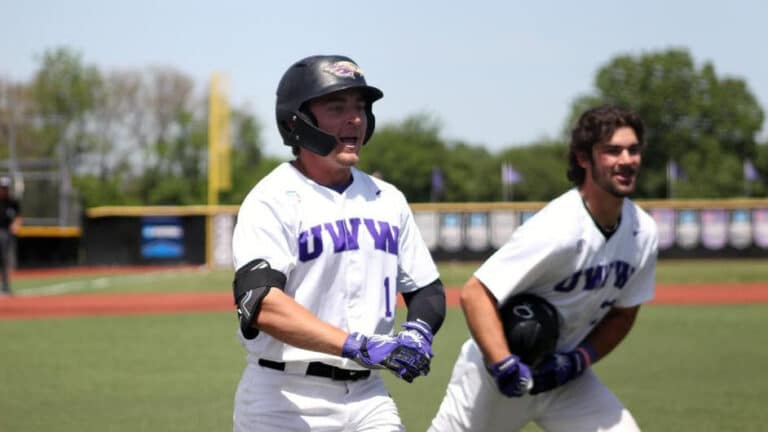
<point>321,251</point>
<point>591,253</point>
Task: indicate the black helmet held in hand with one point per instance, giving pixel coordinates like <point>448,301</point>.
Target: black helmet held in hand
<point>309,79</point>
<point>531,326</point>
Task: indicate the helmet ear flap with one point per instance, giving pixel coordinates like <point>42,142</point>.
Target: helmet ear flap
<point>371,124</point>
<point>304,109</point>
<point>297,126</point>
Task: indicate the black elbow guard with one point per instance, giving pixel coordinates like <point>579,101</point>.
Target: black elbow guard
<point>252,283</point>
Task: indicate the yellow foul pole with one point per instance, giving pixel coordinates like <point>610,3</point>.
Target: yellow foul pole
<point>219,150</point>
<point>214,107</point>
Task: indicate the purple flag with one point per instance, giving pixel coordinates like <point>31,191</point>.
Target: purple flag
<point>674,172</point>
<point>509,175</point>
<point>750,172</point>
<point>437,182</point>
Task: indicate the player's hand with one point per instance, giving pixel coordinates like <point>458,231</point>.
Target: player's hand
<point>418,335</point>
<point>412,358</point>
<point>559,368</point>
<point>371,352</point>
<point>407,363</point>
<point>513,377</point>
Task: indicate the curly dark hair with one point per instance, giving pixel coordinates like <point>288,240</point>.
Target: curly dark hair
<point>596,126</point>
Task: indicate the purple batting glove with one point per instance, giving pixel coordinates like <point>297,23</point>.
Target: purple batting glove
<point>412,359</point>
<point>417,335</point>
<point>408,363</point>
<point>371,352</point>
<point>513,377</point>
<point>560,368</point>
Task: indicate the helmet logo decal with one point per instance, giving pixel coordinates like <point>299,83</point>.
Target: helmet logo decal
<point>523,311</point>
<point>343,69</point>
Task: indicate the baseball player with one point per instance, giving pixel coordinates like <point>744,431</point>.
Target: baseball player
<point>321,251</point>
<point>592,254</point>
<point>10,220</point>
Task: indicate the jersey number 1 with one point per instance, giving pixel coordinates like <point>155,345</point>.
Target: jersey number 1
<point>386,298</point>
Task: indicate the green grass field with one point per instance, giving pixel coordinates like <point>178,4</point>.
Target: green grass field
<point>453,274</point>
<point>684,368</point>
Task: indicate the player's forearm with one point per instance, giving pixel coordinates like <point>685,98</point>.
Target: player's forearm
<point>481,312</point>
<point>611,330</point>
<point>286,320</point>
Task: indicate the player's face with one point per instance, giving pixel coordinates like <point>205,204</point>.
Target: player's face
<point>342,115</point>
<point>614,165</point>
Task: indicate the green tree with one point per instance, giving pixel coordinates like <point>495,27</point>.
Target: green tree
<point>470,173</point>
<point>16,112</point>
<point>133,136</point>
<point>64,90</point>
<point>542,166</point>
<point>248,163</point>
<point>405,153</point>
<point>692,117</point>
<point>179,175</point>
<point>759,187</point>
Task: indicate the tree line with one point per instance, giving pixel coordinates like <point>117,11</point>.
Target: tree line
<point>139,137</point>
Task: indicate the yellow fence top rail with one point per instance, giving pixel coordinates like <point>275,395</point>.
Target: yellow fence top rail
<point>49,231</point>
<point>206,210</point>
<point>192,210</point>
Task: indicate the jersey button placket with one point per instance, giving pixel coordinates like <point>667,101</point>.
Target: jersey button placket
<point>353,278</point>
<point>352,273</point>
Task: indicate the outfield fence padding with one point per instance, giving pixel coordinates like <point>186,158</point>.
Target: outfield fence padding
<point>166,235</point>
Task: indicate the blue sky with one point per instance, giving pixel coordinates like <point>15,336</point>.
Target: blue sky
<point>495,73</point>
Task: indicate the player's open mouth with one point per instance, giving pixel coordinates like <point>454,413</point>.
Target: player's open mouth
<point>348,140</point>
<point>625,177</point>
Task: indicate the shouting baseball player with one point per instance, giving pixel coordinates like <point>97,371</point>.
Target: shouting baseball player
<point>321,251</point>
<point>590,253</point>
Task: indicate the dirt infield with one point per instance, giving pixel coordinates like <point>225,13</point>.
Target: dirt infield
<point>24,307</point>
<point>111,304</point>
<point>56,272</point>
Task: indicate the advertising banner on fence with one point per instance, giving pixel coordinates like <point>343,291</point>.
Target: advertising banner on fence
<point>223,227</point>
<point>451,237</point>
<point>665,223</point>
<point>688,229</point>
<point>477,232</point>
<point>714,228</point>
<point>740,229</point>
<point>428,223</point>
<point>503,224</point>
<point>760,217</point>
<point>162,238</point>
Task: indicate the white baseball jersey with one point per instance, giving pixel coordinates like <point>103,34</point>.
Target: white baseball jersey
<point>345,255</point>
<point>560,254</point>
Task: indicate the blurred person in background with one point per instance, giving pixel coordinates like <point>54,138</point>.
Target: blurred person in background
<point>10,221</point>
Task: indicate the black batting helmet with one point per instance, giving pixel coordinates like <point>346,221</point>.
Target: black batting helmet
<point>531,326</point>
<point>311,78</point>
